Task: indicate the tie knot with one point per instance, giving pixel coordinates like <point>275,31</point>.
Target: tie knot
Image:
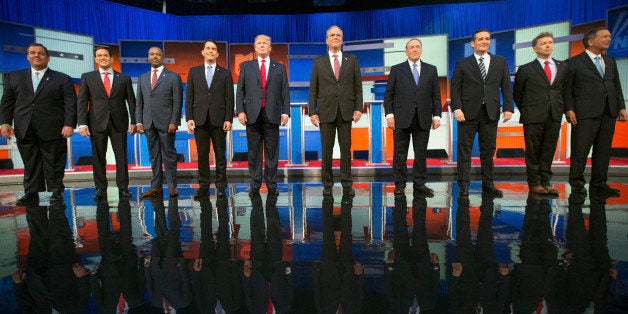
<point>209,67</point>
<point>36,73</point>
<point>105,73</point>
<point>155,71</point>
<point>263,61</point>
<point>481,59</point>
<point>546,62</point>
<point>335,56</point>
<point>414,65</point>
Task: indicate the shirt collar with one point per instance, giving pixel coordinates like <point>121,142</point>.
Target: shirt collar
<point>331,54</point>
<point>159,69</point>
<point>486,56</point>
<point>41,72</point>
<point>418,63</point>
<point>592,55</point>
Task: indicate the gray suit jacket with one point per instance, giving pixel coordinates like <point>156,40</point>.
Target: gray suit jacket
<point>327,94</point>
<point>249,93</point>
<point>162,105</point>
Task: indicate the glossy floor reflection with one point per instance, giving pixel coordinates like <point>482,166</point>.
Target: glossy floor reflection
<point>303,253</point>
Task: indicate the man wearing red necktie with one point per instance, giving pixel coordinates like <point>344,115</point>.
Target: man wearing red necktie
<point>538,94</point>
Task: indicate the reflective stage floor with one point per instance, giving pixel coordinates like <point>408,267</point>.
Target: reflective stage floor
<point>372,253</point>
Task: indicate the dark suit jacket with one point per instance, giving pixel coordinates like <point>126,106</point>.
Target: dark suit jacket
<point>403,95</point>
<point>327,94</point>
<point>96,109</point>
<point>249,93</point>
<point>51,107</point>
<point>587,92</point>
<point>215,102</point>
<point>162,105</point>
<point>468,89</point>
<point>534,95</point>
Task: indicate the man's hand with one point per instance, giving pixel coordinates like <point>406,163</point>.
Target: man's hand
<point>132,129</point>
<point>507,115</point>
<point>435,124</point>
<point>79,270</point>
<point>390,122</point>
<point>226,126</point>
<point>140,129</point>
<point>84,132</point>
<point>198,264</point>
<point>456,269</point>
<point>284,119</point>
<point>7,131</point>
<point>356,115</point>
<point>172,128</point>
<point>242,118</point>
<point>67,131</point>
<point>315,121</point>
<point>18,276</point>
<point>459,115</point>
<point>191,126</point>
<point>623,115</point>
<point>571,117</point>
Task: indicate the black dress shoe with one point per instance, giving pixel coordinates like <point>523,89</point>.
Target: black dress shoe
<point>464,189</point>
<point>221,192</point>
<point>28,198</point>
<point>202,193</point>
<point>348,191</point>
<point>273,191</point>
<point>56,197</point>
<point>400,189</point>
<point>423,189</point>
<point>124,194</point>
<point>254,192</point>
<point>604,189</point>
<point>493,191</point>
<point>328,191</point>
<point>100,195</point>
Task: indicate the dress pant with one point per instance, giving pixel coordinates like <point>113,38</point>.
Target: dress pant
<point>161,149</point>
<point>44,162</point>
<point>267,132</point>
<point>420,138</point>
<point>487,135</point>
<point>203,135</point>
<point>596,132</point>
<point>540,141</point>
<point>99,151</point>
<point>328,136</point>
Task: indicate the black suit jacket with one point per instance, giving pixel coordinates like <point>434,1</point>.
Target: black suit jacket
<point>215,102</point>
<point>468,89</point>
<point>96,109</point>
<point>51,107</point>
<point>535,96</point>
<point>587,92</point>
<point>403,95</point>
<point>249,94</point>
<point>327,94</point>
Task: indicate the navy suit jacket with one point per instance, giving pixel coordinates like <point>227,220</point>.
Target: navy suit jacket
<point>588,93</point>
<point>535,96</point>
<point>96,109</point>
<point>403,96</point>
<point>215,101</point>
<point>162,105</point>
<point>468,89</point>
<point>51,107</point>
<point>249,93</point>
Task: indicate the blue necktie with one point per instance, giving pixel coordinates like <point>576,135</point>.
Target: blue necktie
<point>36,81</point>
<point>209,76</point>
<point>598,65</point>
<point>415,73</point>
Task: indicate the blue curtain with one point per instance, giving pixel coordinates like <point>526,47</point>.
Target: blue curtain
<point>457,20</point>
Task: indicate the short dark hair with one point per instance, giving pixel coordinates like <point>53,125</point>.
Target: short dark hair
<point>103,47</point>
<point>592,34</point>
<point>541,35</point>
<point>411,39</point>
<point>39,45</point>
<point>210,41</point>
<point>479,31</point>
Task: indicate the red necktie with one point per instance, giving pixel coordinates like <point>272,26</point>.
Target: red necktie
<point>153,80</point>
<point>262,74</point>
<point>107,84</point>
<point>336,67</point>
<point>548,72</point>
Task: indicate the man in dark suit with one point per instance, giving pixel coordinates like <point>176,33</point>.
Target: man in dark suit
<point>102,114</point>
<point>262,103</point>
<point>538,94</point>
<point>159,99</point>
<point>593,101</point>
<point>42,105</point>
<point>209,111</point>
<point>335,100</point>
<point>475,88</point>
<point>412,104</point>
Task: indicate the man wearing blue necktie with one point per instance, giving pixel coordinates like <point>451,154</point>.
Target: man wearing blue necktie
<point>593,102</point>
<point>413,107</point>
<point>209,112</point>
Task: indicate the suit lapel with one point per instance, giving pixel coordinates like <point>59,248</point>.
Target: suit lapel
<point>328,66</point>
<point>540,71</point>
<point>476,67</point>
<point>589,64</point>
<point>343,65</point>
<point>101,84</point>
<point>161,77</point>
<point>42,83</point>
